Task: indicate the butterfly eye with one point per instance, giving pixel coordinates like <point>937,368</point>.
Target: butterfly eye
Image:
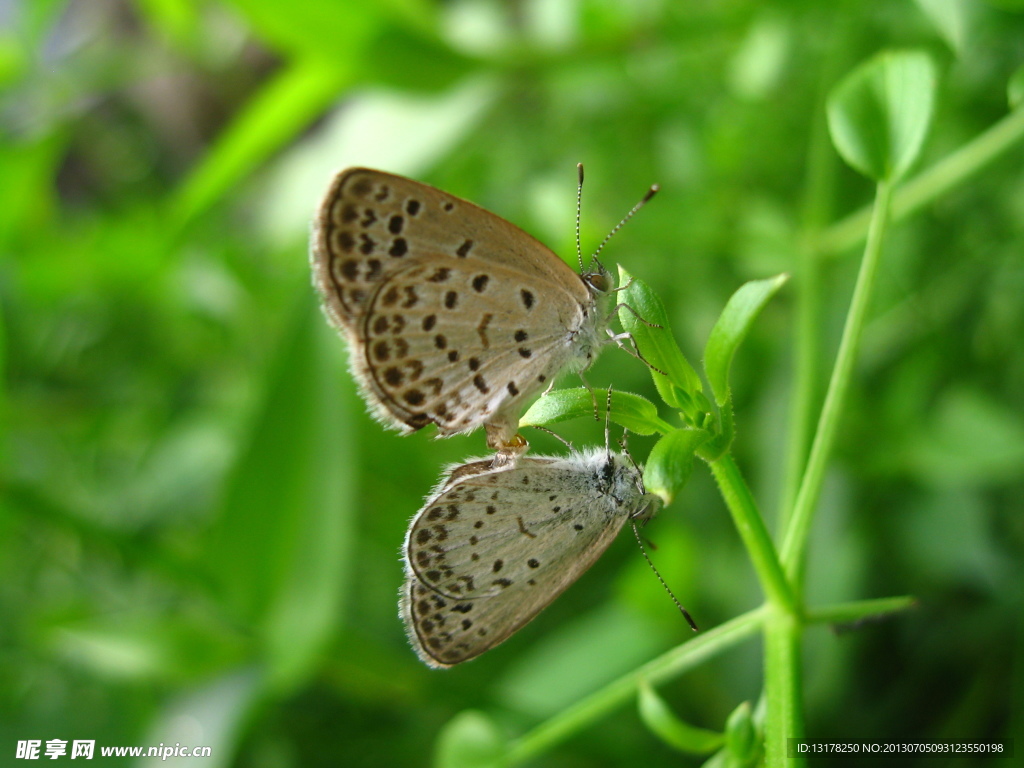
<point>598,282</point>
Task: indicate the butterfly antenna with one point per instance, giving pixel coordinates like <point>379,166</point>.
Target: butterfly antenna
<point>650,193</point>
<point>579,203</point>
<point>639,472</point>
<point>686,613</point>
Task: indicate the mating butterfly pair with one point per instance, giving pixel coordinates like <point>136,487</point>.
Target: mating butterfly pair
<point>456,317</point>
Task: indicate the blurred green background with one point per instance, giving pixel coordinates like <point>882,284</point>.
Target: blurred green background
<point>200,525</point>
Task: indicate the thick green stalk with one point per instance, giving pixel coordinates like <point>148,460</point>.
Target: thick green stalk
<point>752,529</point>
<point>828,423</point>
<point>783,687</point>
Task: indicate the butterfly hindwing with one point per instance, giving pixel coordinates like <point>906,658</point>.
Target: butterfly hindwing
<point>441,347</point>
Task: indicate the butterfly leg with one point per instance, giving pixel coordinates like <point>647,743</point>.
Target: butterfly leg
<point>635,352</point>
<point>622,287</point>
<point>636,314</point>
<point>508,444</point>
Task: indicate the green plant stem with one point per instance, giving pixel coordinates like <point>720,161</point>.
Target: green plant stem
<point>783,686</point>
<point>667,666</point>
<point>805,379</point>
<point>815,212</point>
<point>859,610</point>
<point>783,674</point>
<point>783,628</point>
<point>810,488</point>
<point>929,184</point>
<point>750,524</point>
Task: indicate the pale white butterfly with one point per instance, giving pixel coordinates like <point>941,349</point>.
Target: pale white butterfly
<point>493,546</point>
<point>454,316</point>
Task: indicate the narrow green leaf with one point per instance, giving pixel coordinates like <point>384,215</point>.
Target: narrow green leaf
<point>279,551</point>
<point>663,723</point>
<point>740,735</point>
<point>307,604</point>
<point>470,740</point>
<point>657,345</point>
<point>285,106</point>
<point>633,412</point>
<point>330,30</point>
<point>668,466</point>
<point>732,327</point>
<point>1015,89</point>
<point>879,114</point>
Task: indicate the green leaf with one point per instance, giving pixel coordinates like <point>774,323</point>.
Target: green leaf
<point>663,723</point>
<point>633,412</point>
<point>304,615</point>
<point>1015,89</point>
<point>329,30</point>
<point>657,345</point>
<point>879,114</point>
<point>732,327</point>
<point>740,735</point>
<point>407,60</point>
<point>951,18</point>
<point>285,106</point>
<point>668,466</point>
<point>470,740</point>
<point>280,550</point>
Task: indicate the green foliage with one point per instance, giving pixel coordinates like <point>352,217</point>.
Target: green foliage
<point>662,722</point>
<point>633,412</point>
<point>199,522</point>
<point>1015,89</point>
<point>643,316</point>
<point>670,462</point>
<point>279,548</point>
<point>731,328</point>
<point>879,114</point>
<point>741,736</point>
<point>470,740</point>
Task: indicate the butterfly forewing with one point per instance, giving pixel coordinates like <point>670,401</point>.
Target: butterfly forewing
<point>454,315</point>
<point>493,548</point>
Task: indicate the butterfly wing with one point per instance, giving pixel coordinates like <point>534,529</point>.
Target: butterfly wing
<point>389,253</point>
<point>492,549</point>
<point>445,344</point>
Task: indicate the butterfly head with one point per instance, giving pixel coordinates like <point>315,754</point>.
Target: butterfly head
<point>597,278</point>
